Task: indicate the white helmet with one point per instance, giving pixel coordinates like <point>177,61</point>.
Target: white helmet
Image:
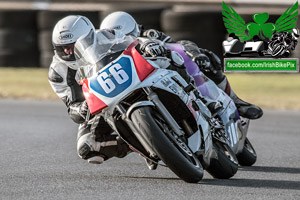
<point>121,21</point>
<point>66,32</point>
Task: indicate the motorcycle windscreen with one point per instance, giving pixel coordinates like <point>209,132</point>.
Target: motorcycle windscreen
<point>92,50</point>
<point>116,79</point>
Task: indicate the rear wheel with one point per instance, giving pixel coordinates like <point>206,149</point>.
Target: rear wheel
<point>248,155</point>
<point>172,150</point>
<point>225,165</point>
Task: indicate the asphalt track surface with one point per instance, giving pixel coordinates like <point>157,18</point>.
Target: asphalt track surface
<point>39,161</point>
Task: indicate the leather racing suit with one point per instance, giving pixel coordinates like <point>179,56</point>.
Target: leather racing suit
<point>95,142</point>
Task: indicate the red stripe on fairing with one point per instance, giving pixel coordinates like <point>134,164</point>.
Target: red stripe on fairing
<point>143,68</point>
<point>94,103</point>
<point>227,89</point>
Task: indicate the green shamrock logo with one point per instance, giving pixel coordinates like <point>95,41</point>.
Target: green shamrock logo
<point>260,27</point>
<point>235,24</point>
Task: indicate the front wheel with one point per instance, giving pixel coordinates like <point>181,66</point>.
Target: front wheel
<point>172,151</point>
<point>225,165</point>
<point>248,155</point>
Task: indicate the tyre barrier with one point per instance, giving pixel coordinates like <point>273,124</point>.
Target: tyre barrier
<point>18,39</point>
<point>148,17</point>
<point>25,36</point>
<point>18,19</point>
<point>46,21</point>
<point>205,28</point>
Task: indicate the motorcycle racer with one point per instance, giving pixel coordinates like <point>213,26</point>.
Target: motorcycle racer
<point>64,77</point>
<point>208,62</point>
<point>96,142</point>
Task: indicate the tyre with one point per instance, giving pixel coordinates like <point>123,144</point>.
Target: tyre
<point>18,19</point>
<point>18,40</point>
<point>189,20</point>
<point>149,17</point>
<point>248,155</point>
<point>46,58</point>
<point>11,58</point>
<point>183,36</point>
<point>18,48</point>
<point>46,20</point>
<point>225,165</point>
<point>205,28</point>
<point>175,155</point>
<point>45,41</point>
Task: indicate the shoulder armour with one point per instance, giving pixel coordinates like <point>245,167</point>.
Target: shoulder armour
<point>53,76</point>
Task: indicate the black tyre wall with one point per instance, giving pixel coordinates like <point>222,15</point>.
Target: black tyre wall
<point>46,21</point>
<point>18,19</point>
<point>45,40</point>
<point>148,17</point>
<point>46,58</point>
<point>15,58</point>
<point>205,28</point>
<point>45,48</point>
<point>18,39</point>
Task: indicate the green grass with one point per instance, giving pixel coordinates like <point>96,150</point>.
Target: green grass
<point>268,90</point>
<point>26,83</point>
<point>272,90</point>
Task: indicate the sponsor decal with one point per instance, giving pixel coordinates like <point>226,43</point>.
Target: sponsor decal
<point>66,36</point>
<point>118,27</point>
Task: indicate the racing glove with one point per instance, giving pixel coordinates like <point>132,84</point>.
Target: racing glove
<point>78,111</point>
<point>153,49</point>
<point>214,59</point>
<point>202,61</point>
<point>208,61</point>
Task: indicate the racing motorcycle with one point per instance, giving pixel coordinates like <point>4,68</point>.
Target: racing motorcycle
<point>235,127</point>
<point>154,110</point>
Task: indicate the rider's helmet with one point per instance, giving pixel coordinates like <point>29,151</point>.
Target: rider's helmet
<point>66,32</point>
<point>121,21</point>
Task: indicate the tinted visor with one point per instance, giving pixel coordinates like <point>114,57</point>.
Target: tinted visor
<point>65,52</point>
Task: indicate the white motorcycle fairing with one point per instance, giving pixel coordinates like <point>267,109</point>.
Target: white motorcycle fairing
<point>121,77</point>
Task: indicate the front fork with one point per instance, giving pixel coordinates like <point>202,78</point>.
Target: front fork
<point>152,96</point>
<point>135,131</point>
<point>243,130</point>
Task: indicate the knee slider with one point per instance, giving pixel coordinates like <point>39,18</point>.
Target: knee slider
<point>83,151</point>
<point>86,144</point>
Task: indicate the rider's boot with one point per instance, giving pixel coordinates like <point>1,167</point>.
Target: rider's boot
<point>214,106</point>
<point>97,151</point>
<point>245,109</point>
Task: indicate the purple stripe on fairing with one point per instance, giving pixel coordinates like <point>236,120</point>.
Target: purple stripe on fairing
<point>200,81</point>
<point>201,87</point>
<point>237,115</point>
<point>192,68</point>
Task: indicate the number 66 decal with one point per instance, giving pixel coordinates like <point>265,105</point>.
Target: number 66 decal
<point>116,73</point>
